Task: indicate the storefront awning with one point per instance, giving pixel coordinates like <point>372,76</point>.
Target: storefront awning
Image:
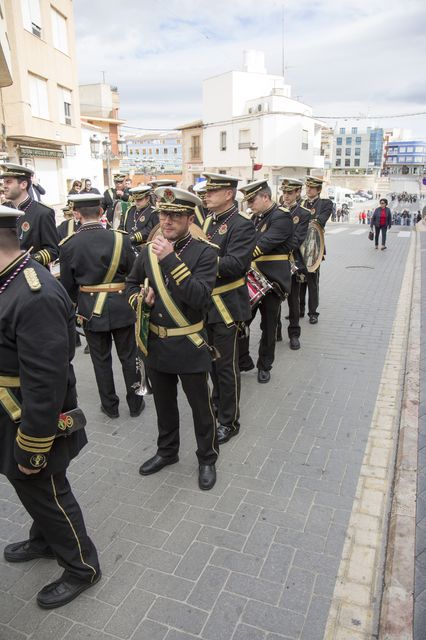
<point>40,152</point>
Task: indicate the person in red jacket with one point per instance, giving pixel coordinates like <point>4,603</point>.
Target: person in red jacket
<point>381,220</point>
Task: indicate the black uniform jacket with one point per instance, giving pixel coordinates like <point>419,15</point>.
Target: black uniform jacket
<point>37,229</point>
<point>189,277</point>
<point>274,237</point>
<point>109,201</point>
<point>66,228</point>
<point>301,218</point>
<point>320,208</point>
<point>235,234</point>
<point>85,260</point>
<point>139,224</point>
<point>37,342</point>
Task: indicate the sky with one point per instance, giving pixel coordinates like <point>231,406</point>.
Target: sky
<point>342,57</point>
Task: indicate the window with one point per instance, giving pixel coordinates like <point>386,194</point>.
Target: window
<point>31,16</point>
<point>244,138</point>
<point>354,130</point>
<point>175,150</point>
<point>339,141</point>
<point>357,151</point>
<point>339,151</point>
<point>402,149</point>
<point>347,152</point>
<point>223,140</point>
<point>347,163</point>
<point>410,149</point>
<point>348,140</point>
<point>60,32</point>
<point>195,147</point>
<point>65,102</point>
<point>150,151</point>
<point>305,139</point>
<point>38,97</point>
<point>356,162</point>
<point>157,151</point>
<point>342,130</point>
<point>358,140</point>
<point>166,151</point>
<point>338,162</point>
<point>144,151</point>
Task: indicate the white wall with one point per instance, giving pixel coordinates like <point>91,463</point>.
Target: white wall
<point>82,165</point>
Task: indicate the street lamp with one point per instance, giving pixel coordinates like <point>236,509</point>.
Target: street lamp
<point>106,143</point>
<point>122,146</point>
<point>252,150</point>
<point>95,144</point>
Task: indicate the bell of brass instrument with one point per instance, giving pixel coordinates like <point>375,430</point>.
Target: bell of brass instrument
<point>143,388</point>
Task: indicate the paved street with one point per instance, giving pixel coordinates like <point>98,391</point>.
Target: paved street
<point>257,557</point>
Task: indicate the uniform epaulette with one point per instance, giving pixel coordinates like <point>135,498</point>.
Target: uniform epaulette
<point>120,231</point>
<point>245,215</point>
<point>32,279</point>
<point>64,240</point>
<point>212,244</point>
<point>284,209</point>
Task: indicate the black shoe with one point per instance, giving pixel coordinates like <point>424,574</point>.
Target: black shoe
<point>263,376</point>
<point>62,591</point>
<point>135,414</point>
<point>313,320</point>
<point>225,433</point>
<point>206,476</point>
<point>248,366</point>
<point>294,343</point>
<point>156,463</point>
<point>23,551</point>
<point>110,414</point>
<point>86,349</point>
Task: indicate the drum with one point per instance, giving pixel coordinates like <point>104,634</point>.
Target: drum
<point>258,286</point>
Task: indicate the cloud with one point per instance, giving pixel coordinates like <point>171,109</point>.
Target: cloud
<point>352,56</point>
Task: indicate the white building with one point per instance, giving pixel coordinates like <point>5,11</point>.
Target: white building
<point>80,163</point>
<point>250,119</point>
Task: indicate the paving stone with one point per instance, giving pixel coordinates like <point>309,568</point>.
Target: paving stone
<point>244,518</point>
<point>121,583</point>
<point>130,613</point>
<point>87,610</point>
<point>260,539</point>
<point>221,538</point>
<point>193,562</point>
<point>316,619</point>
<point>301,579</point>
<point>179,615</point>
<point>171,516</point>
<point>182,537</point>
<point>208,587</point>
<point>254,588</point>
<point>54,627</point>
<point>224,617</point>
<point>83,632</point>
<point>244,632</point>
<point>7,633</point>
<point>9,607</point>
<point>277,563</point>
<point>236,561</point>
<point>145,535</point>
<point>150,630</point>
<point>273,619</point>
<point>295,599</point>
<point>154,558</point>
<point>164,584</point>
<point>208,517</point>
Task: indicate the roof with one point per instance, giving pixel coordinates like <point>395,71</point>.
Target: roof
<point>99,119</point>
<point>191,125</point>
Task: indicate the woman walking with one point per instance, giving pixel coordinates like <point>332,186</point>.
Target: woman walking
<point>381,220</point>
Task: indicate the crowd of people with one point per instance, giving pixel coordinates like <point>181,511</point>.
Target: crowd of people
<point>175,287</point>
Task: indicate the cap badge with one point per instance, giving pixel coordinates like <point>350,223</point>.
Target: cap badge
<point>168,195</point>
<point>25,226</point>
<point>296,219</point>
<point>223,229</point>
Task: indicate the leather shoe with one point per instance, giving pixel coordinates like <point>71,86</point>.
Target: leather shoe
<point>62,591</point>
<point>313,320</point>
<point>156,463</point>
<point>263,376</point>
<point>206,476</point>
<point>294,343</point>
<point>110,414</point>
<point>135,414</point>
<point>225,433</point>
<point>23,551</point>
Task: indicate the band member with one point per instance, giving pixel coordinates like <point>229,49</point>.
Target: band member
<point>113,195</point>
<point>321,209</point>
<point>274,235</point>
<point>36,228</point>
<point>163,182</point>
<point>70,224</point>
<point>201,213</point>
<point>181,271</point>
<point>140,218</point>
<point>291,197</point>
<point>37,383</point>
<point>230,305</point>
<point>94,265</point>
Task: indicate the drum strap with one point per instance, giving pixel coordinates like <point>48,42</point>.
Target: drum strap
<point>172,309</point>
<point>110,275</point>
<point>70,227</point>
<point>271,258</point>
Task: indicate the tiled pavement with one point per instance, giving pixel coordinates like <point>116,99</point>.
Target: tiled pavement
<point>255,558</point>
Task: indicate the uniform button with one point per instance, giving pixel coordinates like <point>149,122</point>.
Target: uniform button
<point>160,315</point>
<point>91,293</point>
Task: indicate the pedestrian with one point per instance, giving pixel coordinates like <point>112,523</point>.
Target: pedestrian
<point>70,224</point>
<point>36,190</point>
<point>364,217</point>
<point>94,264</point>
<point>381,221</point>
<point>114,195</point>
<point>38,400</point>
<point>75,187</point>
<point>140,218</point>
<point>88,187</point>
<point>181,271</point>
<point>359,218</point>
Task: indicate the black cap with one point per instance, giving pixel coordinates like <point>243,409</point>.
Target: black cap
<point>216,181</point>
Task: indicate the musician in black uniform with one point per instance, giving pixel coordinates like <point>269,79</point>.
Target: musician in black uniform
<point>37,384</point>
<point>94,265</point>
<point>321,209</point>
<point>230,305</point>
<point>70,224</point>
<point>36,228</point>
<point>292,189</point>
<point>181,271</point>
<point>274,233</point>
<point>202,212</point>
<point>140,218</point>
<point>113,195</point>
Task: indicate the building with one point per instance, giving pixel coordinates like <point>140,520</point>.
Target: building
<point>357,150</point>
<point>81,163</point>
<point>157,153</point>
<point>254,129</point>
<point>100,105</point>
<point>192,152</point>
<point>405,165</point>
<point>327,139</point>
<point>41,112</point>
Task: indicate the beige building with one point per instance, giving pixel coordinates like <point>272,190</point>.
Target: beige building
<point>41,107</point>
<point>192,152</point>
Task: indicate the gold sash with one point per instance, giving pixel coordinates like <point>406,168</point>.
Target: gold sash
<point>110,274</point>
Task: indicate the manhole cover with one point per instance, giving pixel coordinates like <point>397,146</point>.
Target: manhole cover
<point>359,266</point>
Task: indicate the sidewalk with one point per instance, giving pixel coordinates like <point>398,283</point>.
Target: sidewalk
<point>256,558</point>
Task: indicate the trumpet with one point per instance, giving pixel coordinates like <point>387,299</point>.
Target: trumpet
<point>142,388</point>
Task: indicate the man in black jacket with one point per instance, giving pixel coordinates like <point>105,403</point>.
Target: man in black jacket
<point>274,233</point>
<point>70,224</point>
<point>181,272</point>
<point>321,209</point>
<point>140,218</point>
<point>113,195</point>
<point>37,384</point>
<point>94,265</point>
<point>36,228</point>
<point>230,305</point>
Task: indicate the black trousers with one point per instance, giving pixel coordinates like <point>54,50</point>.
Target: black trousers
<point>269,309</point>
<point>294,308</point>
<point>58,525</point>
<point>226,373</point>
<point>100,345</point>
<point>312,285</point>
<point>377,231</point>
<point>196,389</point>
